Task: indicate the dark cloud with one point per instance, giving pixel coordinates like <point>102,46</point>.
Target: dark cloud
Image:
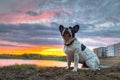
<point>31,34</point>
<point>50,35</point>
<point>92,31</point>
<point>31,13</point>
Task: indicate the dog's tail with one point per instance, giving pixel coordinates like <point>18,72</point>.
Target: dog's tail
<point>102,66</point>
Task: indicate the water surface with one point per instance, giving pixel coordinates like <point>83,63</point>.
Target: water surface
<point>43,63</point>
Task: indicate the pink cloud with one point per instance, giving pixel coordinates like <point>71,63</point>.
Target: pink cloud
<point>22,17</point>
<point>18,13</point>
<point>42,16</point>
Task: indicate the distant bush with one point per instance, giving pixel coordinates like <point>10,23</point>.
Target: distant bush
<point>32,56</point>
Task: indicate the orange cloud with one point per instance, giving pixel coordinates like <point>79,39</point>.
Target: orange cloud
<point>43,50</point>
<point>52,50</point>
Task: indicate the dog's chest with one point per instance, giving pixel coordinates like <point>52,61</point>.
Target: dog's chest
<point>69,50</point>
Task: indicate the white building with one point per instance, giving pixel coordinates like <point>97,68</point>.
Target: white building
<point>117,49</point>
<point>110,50</point>
<point>101,51</point>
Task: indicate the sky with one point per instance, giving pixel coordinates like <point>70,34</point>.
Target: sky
<point>31,26</point>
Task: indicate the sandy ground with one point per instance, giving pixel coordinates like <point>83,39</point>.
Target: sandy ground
<point>113,61</point>
<point>55,73</point>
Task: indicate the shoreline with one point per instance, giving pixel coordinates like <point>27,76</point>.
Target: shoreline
<point>33,57</point>
<point>42,57</point>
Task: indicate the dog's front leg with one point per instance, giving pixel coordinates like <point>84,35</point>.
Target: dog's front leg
<point>76,61</point>
<point>68,63</point>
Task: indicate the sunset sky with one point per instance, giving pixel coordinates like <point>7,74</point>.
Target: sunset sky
<point>31,26</point>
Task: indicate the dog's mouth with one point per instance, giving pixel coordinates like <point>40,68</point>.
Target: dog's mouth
<point>66,35</point>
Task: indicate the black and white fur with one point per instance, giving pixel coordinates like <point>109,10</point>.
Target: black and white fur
<point>76,51</point>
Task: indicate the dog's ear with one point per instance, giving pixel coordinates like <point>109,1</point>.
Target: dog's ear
<point>61,28</point>
<point>76,28</point>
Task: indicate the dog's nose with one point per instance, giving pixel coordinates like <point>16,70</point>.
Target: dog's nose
<point>66,32</point>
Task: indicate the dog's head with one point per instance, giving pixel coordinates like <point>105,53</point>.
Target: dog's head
<point>68,33</point>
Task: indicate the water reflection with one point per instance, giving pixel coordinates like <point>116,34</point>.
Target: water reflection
<point>44,63</point>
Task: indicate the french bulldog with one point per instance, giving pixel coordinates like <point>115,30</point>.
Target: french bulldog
<point>76,51</point>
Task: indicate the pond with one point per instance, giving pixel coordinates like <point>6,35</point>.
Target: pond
<point>43,63</point>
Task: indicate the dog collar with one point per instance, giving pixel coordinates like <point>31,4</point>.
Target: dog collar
<point>70,42</point>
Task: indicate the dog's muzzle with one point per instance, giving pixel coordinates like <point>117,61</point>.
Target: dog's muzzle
<point>66,32</point>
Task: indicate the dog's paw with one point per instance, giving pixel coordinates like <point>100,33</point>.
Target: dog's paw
<point>74,70</point>
<point>67,67</point>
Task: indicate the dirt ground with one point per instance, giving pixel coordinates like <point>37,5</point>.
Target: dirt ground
<point>55,73</point>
